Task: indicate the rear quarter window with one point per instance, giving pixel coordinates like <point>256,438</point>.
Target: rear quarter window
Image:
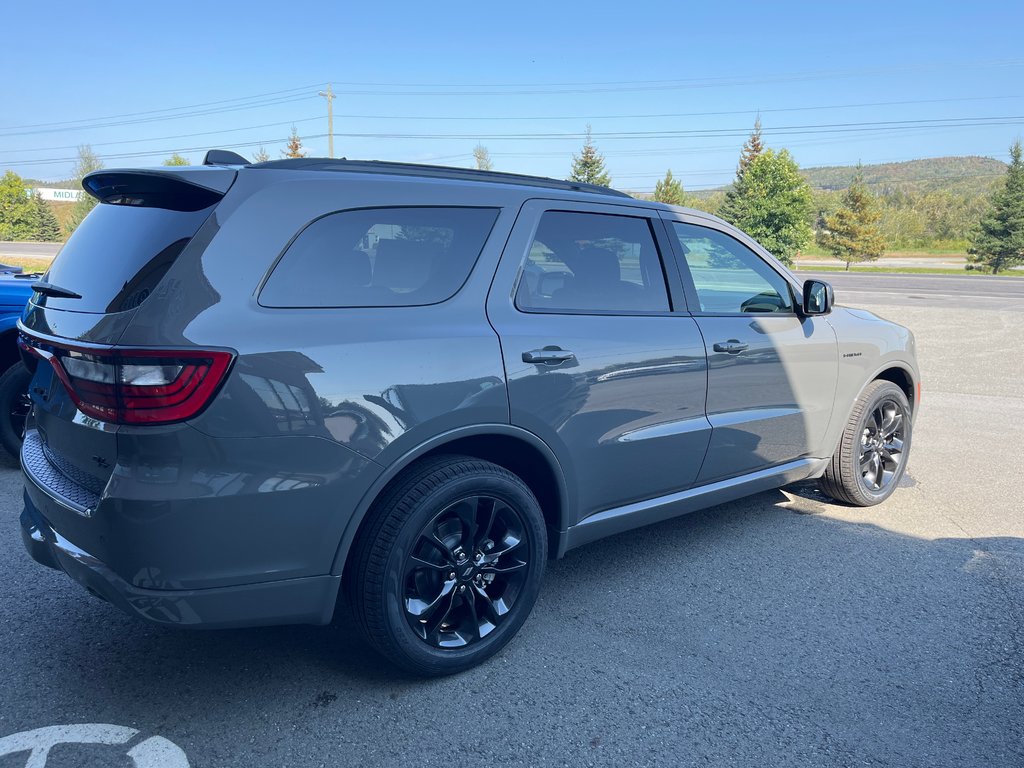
<point>380,257</point>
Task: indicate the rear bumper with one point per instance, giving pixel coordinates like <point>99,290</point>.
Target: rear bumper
<point>308,600</point>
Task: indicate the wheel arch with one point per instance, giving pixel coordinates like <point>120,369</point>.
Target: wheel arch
<point>516,449</point>
<point>902,377</point>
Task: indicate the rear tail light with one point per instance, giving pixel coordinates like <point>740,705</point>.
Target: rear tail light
<point>135,386</point>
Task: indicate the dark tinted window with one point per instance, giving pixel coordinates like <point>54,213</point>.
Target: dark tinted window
<point>380,257</point>
<point>728,276</point>
<point>118,254</point>
<point>592,262</point>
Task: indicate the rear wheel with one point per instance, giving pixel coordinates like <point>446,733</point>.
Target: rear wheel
<point>450,565</point>
<point>14,407</point>
<point>872,454</point>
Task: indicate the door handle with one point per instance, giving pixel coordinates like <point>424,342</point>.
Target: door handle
<point>732,346</point>
<point>548,355</point>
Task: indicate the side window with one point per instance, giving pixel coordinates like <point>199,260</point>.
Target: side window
<point>728,276</point>
<point>592,262</point>
<point>380,257</point>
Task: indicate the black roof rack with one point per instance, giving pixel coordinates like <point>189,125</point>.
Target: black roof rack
<point>433,171</point>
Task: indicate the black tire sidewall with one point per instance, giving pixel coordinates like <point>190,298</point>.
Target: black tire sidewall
<point>887,391</point>
<point>418,655</point>
<point>14,383</point>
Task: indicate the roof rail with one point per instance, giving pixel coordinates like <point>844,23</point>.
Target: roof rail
<point>433,171</point>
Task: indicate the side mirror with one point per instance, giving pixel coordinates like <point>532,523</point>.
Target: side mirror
<point>818,297</point>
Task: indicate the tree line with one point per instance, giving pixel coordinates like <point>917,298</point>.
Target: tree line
<point>768,199</point>
<point>773,203</point>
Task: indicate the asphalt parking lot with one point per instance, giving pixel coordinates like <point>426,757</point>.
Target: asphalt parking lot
<point>779,630</point>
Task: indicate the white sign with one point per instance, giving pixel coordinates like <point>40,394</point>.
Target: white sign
<point>58,195</point>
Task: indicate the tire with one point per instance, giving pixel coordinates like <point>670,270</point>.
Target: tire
<point>448,566</point>
<point>14,407</point>
<point>872,453</point>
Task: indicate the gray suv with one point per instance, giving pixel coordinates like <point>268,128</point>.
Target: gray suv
<point>259,388</point>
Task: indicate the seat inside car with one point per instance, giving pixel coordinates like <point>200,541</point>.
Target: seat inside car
<point>597,283</point>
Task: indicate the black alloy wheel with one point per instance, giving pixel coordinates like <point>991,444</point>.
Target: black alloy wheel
<point>465,571</point>
<point>872,453</point>
<point>881,445</point>
<point>15,405</point>
<point>448,564</point>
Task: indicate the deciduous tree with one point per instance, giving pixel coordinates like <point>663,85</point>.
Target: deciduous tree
<point>851,232</point>
<point>88,161</point>
<point>588,166</point>
<point>998,243</point>
<point>482,158</point>
<point>176,159</point>
<point>771,202</point>
<point>17,210</point>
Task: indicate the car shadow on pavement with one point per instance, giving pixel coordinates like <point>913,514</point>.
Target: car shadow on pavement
<point>766,626</point>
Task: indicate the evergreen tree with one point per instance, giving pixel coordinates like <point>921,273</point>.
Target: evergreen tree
<point>294,147</point>
<point>260,155</point>
<point>45,226</point>
<point>482,158</point>
<point>588,166</point>
<point>998,242</point>
<point>771,202</point>
<point>17,210</point>
<point>88,161</point>
<point>752,148</point>
<point>176,159</point>
<point>851,232</point>
<point>669,190</point>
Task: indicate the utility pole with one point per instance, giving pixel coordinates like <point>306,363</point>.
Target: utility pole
<point>329,95</point>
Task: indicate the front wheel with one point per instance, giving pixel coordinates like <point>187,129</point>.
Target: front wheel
<point>14,407</point>
<point>872,454</point>
<point>450,565</point>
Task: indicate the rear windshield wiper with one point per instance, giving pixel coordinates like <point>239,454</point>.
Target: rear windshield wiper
<point>49,289</point>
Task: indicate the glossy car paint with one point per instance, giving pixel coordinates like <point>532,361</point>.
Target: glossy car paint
<point>255,502</point>
<point>14,295</point>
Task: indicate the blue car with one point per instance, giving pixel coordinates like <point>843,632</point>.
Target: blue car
<point>15,289</point>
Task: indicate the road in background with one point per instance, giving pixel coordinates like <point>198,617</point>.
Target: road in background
<point>779,630</point>
<point>947,291</point>
<point>29,250</point>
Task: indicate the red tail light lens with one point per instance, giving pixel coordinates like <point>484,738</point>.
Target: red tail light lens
<point>135,386</point>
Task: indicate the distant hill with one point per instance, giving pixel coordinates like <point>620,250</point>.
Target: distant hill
<point>36,184</point>
<point>957,174</point>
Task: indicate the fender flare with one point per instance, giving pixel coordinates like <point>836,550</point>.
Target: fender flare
<point>396,467</point>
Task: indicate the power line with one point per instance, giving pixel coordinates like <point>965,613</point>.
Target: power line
<point>167,109</point>
<point>197,113</point>
<point>886,70</point>
<point>387,89</point>
<point>519,117</point>
<point>170,138</point>
<point>751,111</point>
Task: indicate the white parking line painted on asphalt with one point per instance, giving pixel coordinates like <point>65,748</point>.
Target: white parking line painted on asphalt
<point>154,752</point>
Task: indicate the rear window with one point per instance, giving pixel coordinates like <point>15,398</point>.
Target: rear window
<point>118,254</point>
<point>380,257</point>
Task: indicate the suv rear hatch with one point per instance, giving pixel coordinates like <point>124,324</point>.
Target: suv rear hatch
<point>84,387</point>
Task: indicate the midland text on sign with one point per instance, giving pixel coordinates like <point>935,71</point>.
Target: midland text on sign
<point>58,195</point>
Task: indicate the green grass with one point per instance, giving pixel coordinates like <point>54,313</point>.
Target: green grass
<point>814,252</point>
<point>27,263</point>
<point>904,271</point>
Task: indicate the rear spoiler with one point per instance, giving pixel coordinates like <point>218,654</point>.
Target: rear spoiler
<point>184,189</point>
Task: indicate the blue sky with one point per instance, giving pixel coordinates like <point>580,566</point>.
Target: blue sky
<point>662,84</point>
